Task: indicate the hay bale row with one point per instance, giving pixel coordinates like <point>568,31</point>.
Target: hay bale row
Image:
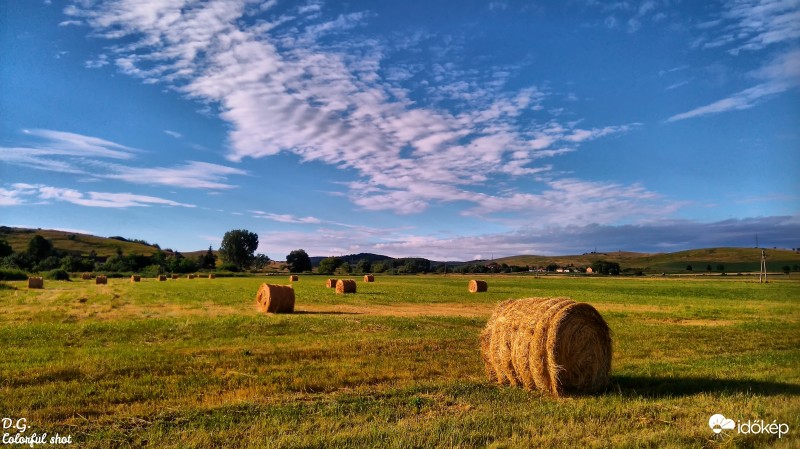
<point>293,278</point>
<point>275,298</point>
<point>101,280</point>
<point>86,276</point>
<point>331,283</point>
<point>136,278</point>
<point>369,278</point>
<point>162,277</point>
<point>476,286</point>
<point>344,286</point>
<point>555,345</point>
<point>35,282</point>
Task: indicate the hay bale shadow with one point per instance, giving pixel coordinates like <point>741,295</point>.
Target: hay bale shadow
<point>657,387</point>
<point>333,312</point>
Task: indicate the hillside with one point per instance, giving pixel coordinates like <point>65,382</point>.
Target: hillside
<point>72,242</point>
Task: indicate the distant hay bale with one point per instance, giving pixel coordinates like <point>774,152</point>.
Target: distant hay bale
<point>476,285</point>
<point>275,298</point>
<point>86,276</point>
<point>330,283</point>
<point>162,277</point>
<point>212,276</point>
<point>293,278</point>
<point>189,276</point>
<point>35,282</point>
<point>555,345</point>
<point>174,276</point>
<point>344,286</point>
<point>369,278</point>
<point>136,278</point>
<point>101,280</point>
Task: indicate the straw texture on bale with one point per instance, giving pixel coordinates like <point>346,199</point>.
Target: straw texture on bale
<point>275,298</point>
<point>136,278</point>
<point>330,283</point>
<point>163,277</point>
<point>476,286</point>
<point>86,276</point>
<point>35,282</point>
<point>212,276</point>
<point>345,286</point>
<point>101,280</point>
<point>555,345</point>
<point>175,276</point>
<point>293,278</point>
<point>369,278</point>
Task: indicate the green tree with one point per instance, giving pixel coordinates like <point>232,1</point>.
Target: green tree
<point>260,261</point>
<point>344,268</point>
<point>379,267</point>
<point>328,265</point>
<point>689,267</point>
<point>39,247</point>
<point>5,249</point>
<point>363,266</point>
<point>298,261</point>
<point>238,247</point>
<point>787,269</point>
<point>208,260</point>
<point>721,268</point>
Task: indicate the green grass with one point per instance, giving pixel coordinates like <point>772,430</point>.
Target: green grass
<point>190,363</point>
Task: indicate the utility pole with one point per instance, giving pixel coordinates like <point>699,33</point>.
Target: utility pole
<point>762,276</point>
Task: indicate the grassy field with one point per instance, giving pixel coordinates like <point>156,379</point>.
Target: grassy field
<point>191,363</point>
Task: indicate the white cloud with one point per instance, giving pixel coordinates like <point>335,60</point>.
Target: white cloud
<point>192,175</point>
<point>174,134</point>
<point>18,194</point>
<point>780,75</point>
<point>283,88</point>
<point>754,24</point>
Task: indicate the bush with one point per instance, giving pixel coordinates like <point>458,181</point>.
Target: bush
<point>57,275</point>
<point>229,266</point>
<point>12,275</point>
<point>152,271</point>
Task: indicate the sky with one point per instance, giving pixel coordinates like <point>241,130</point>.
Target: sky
<point>439,129</point>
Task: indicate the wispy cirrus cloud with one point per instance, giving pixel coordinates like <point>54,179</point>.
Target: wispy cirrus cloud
<point>284,86</point>
<point>19,194</point>
<point>64,152</point>
<point>751,25</point>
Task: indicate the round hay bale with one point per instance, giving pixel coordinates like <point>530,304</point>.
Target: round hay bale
<point>293,278</point>
<point>136,278</point>
<point>344,286</point>
<point>162,277</point>
<point>86,276</point>
<point>35,282</point>
<point>476,285</point>
<point>212,276</point>
<point>174,276</point>
<point>330,283</point>
<point>555,345</point>
<point>369,278</point>
<point>275,298</point>
<point>101,280</point>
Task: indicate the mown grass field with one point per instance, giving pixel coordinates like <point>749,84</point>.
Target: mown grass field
<point>191,363</point>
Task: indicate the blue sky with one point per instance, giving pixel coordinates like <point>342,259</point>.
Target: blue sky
<point>441,129</point>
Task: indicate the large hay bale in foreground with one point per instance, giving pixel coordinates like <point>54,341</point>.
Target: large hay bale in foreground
<point>163,277</point>
<point>331,283</point>
<point>275,298</point>
<point>86,276</point>
<point>35,282</point>
<point>555,345</point>
<point>345,286</point>
<point>293,278</point>
<point>369,278</point>
<point>101,280</point>
<point>476,285</point>
<point>136,278</point>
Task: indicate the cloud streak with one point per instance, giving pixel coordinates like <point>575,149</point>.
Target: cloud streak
<point>19,194</point>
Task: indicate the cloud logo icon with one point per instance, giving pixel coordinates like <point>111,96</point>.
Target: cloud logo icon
<point>718,423</point>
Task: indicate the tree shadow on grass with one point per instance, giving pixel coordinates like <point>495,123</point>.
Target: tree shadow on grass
<point>332,312</point>
<point>687,386</point>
